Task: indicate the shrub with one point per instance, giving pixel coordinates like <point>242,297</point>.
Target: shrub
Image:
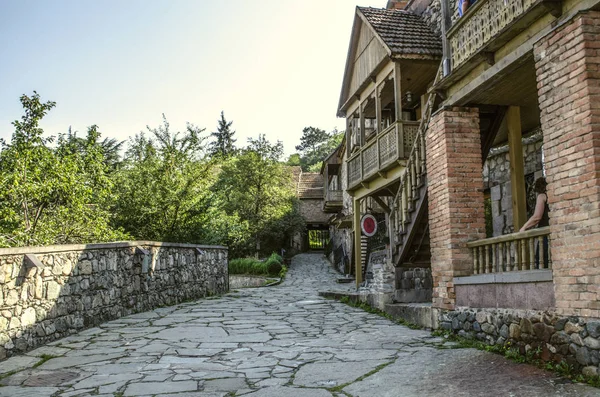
<point>247,266</point>
<point>276,257</point>
<point>273,266</point>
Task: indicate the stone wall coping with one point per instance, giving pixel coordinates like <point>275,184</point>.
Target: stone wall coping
<point>99,246</point>
<point>524,276</point>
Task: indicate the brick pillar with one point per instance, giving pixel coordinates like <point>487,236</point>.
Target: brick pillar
<point>455,194</point>
<point>568,81</point>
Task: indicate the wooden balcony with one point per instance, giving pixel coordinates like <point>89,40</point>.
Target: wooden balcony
<point>526,250</point>
<point>333,201</point>
<point>488,25</point>
<point>381,153</point>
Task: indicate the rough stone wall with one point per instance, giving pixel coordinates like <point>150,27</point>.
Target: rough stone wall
<point>496,176</point>
<point>413,284</point>
<point>433,16</point>
<point>343,236</point>
<point>546,335</point>
<point>568,80</point>
<point>456,213</point>
<point>78,286</point>
<point>312,211</point>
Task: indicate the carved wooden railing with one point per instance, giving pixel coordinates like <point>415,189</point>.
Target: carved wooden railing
<point>412,182</point>
<point>483,22</point>
<point>333,195</point>
<point>526,250</point>
<point>381,152</point>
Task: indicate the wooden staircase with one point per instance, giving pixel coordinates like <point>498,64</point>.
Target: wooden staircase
<point>409,212</point>
<point>410,239</point>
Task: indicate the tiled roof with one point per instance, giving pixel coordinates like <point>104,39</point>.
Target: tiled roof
<point>310,185</point>
<point>403,32</point>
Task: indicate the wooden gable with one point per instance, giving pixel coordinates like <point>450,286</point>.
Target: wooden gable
<point>365,54</point>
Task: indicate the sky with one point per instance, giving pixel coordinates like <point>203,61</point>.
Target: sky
<point>273,66</point>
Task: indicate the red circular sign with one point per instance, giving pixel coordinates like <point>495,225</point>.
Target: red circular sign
<point>368,224</point>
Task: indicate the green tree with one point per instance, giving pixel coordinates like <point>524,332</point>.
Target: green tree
<point>293,159</point>
<point>164,185</point>
<point>315,146</point>
<point>224,144</point>
<point>51,195</point>
<point>258,189</point>
<point>110,148</point>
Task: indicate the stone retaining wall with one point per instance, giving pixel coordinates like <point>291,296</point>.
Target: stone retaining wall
<point>49,292</point>
<point>413,284</point>
<point>575,340</point>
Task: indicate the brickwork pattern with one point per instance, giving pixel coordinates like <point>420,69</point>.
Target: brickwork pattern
<point>455,183</point>
<point>568,81</point>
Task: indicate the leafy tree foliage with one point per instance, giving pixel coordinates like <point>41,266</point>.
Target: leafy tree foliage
<point>52,195</point>
<point>259,190</point>
<point>224,144</point>
<point>110,148</point>
<point>315,146</point>
<point>73,189</point>
<point>163,185</point>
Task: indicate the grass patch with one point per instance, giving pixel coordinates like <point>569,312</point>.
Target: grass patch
<point>43,359</point>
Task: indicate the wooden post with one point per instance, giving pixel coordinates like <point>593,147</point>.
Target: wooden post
<point>378,108</point>
<point>357,243</point>
<point>348,136</point>
<point>398,103</point>
<point>361,132</point>
<point>517,175</point>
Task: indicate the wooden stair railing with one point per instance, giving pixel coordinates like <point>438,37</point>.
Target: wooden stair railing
<point>410,201</point>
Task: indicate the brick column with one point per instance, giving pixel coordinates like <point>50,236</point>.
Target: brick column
<point>568,80</point>
<point>455,194</point>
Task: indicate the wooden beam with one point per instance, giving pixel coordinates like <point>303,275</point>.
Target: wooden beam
<point>517,175</point>
<point>554,7</point>
<point>357,243</point>
<point>378,107</point>
<point>382,204</point>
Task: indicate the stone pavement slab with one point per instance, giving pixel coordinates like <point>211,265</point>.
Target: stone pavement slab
<point>281,341</point>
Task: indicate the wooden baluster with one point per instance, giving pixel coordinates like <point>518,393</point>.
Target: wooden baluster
<point>481,259</point>
<point>500,257</point>
<point>531,241</point>
<point>417,161</point>
<point>413,180</point>
<point>475,252</point>
<point>405,203</point>
<point>515,255</point>
<point>523,258</point>
<point>485,258</point>
<point>423,159</point>
<point>542,254</point>
<point>494,263</point>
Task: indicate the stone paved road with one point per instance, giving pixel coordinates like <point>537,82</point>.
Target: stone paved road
<point>282,341</point>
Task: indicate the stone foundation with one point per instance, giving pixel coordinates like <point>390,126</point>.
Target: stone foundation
<point>549,336</point>
<point>413,285</point>
<point>47,293</point>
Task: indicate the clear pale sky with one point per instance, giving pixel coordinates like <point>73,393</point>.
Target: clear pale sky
<point>273,66</point>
